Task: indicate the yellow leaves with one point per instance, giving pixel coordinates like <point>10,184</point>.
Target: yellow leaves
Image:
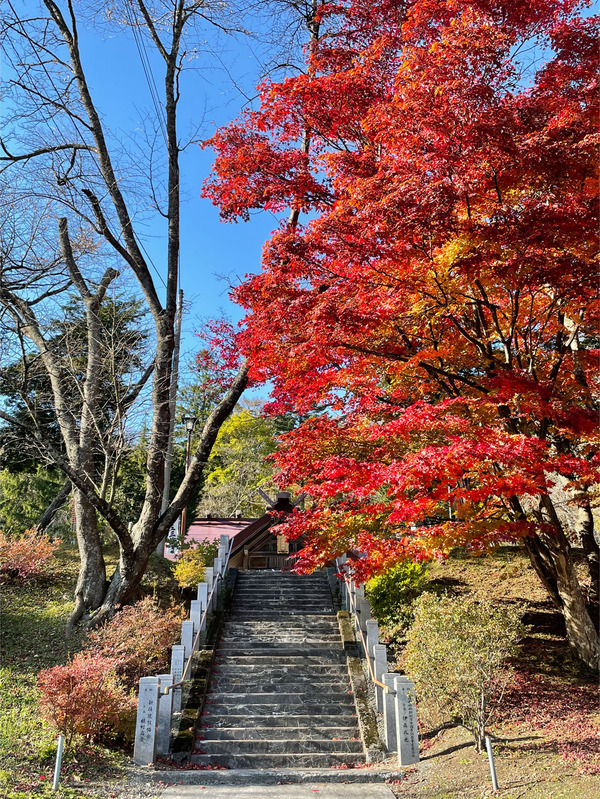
<point>189,570</point>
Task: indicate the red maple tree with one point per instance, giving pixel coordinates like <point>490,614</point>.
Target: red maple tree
<point>435,315</point>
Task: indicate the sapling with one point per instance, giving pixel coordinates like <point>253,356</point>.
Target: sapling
<point>457,653</point>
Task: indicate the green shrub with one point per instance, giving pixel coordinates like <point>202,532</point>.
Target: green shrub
<point>456,653</point>
<point>393,593</point>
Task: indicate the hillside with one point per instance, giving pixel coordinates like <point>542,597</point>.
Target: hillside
<point>546,729</point>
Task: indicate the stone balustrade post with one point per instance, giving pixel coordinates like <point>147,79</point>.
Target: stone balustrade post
<point>352,596</point>
<point>165,713</point>
<point>144,749</point>
<point>196,610</point>
<point>203,593</point>
<point>209,577</point>
<point>359,595</point>
<point>372,636</point>
<point>380,666</point>
<point>364,611</point>
<point>187,637</point>
<point>223,548</point>
<point>389,714</point>
<point>407,736</point>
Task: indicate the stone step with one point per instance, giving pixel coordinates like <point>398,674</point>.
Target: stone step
<point>281,615</point>
<point>290,710</point>
<point>255,672</point>
<point>286,700</point>
<point>281,659</point>
<point>275,747</point>
<point>292,588</point>
<point>282,609</point>
<point>278,733</point>
<point>272,637</point>
<point>263,575</point>
<point>277,596</point>
<point>268,685</point>
<point>285,593</point>
<point>304,721</point>
<point>266,648</point>
<point>256,634</point>
<point>291,760</point>
<point>322,624</point>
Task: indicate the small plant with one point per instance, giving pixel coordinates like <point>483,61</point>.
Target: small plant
<point>86,697</point>
<point>393,593</point>
<point>456,653</point>
<point>189,570</point>
<point>26,555</point>
<point>138,639</point>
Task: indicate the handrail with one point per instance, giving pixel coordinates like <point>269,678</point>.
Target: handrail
<point>374,680</point>
<point>196,640</point>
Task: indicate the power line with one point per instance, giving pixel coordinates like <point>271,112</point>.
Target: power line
<point>147,68</point>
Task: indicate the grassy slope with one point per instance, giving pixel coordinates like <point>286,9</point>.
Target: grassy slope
<point>546,728</point>
<point>33,637</point>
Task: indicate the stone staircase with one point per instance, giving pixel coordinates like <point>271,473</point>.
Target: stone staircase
<point>279,694</point>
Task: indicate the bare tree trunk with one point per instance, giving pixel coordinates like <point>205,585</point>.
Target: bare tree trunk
<point>591,549</point>
<point>581,632</point>
<point>541,560</point>
<point>91,581</point>
<point>148,531</point>
<point>56,504</point>
<point>103,202</point>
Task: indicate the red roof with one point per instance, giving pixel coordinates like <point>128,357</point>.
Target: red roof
<point>213,529</point>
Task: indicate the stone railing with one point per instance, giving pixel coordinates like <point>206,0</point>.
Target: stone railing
<point>161,696</point>
<point>394,693</point>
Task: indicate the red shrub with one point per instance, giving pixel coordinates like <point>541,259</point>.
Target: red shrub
<point>86,697</point>
<point>139,639</point>
<point>25,555</point>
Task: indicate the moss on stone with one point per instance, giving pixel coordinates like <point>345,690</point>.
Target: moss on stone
<point>367,721</point>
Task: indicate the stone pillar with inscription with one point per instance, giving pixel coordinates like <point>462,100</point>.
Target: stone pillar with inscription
<point>144,749</point>
<point>177,661</point>
<point>407,735</point>
<point>165,712</point>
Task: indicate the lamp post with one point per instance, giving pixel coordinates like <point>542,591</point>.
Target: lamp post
<point>190,423</point>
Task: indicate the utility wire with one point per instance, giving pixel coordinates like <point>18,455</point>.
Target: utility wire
<point>147,68</point>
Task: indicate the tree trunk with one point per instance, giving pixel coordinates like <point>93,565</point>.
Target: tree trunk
<point>541,560</point>
<point>581,632</point>
<point>149,530</point>
<point>56,504</point>
<point>591,549</point>
<point>91,582</point>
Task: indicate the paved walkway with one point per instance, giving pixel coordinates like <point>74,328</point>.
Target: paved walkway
<point>312,791</point>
